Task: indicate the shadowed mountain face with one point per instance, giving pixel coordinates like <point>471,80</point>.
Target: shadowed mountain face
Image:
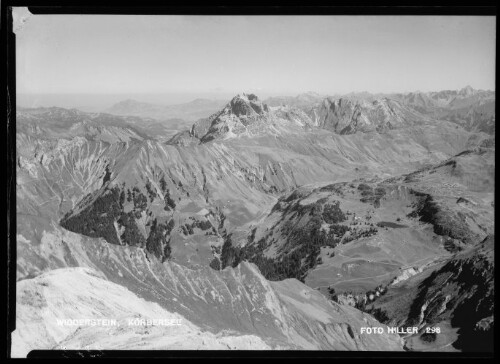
<point>456,295</point>
<point>173,219</point>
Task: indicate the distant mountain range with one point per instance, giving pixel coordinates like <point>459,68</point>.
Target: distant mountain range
<point>347,117</point>
<point>470,108</point>
<point>304,100</point>
<point>189,112</point>
<point>56,122</point>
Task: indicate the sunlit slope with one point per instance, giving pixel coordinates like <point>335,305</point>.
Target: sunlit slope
<point>82,293</point>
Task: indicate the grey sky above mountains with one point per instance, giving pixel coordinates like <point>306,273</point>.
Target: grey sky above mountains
<point>262,54</point>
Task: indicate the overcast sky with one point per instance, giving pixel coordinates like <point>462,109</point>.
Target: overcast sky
<point>269,54</point>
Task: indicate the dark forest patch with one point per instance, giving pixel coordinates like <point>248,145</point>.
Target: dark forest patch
<point>98,220</point>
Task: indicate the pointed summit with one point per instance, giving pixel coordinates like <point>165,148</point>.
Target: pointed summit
<point>246,115</point>
<point>247,105</point>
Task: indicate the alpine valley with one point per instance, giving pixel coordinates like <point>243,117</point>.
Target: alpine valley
<point>289,223</point>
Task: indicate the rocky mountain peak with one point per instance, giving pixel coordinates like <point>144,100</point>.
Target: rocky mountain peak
<point>247,105</point>
<point>336,104</point>
<point>247,115</point>
<point>466,91</point>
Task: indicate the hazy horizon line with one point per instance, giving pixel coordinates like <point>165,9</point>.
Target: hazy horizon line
<point>277,93</point>
<point>170,98</point>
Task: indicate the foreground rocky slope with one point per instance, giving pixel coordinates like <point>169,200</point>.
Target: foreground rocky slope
<point>79,293</point>
<point>236,308</point>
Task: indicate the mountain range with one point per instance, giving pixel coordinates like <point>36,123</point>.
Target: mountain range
<point>470,108</point>
<point>287,224</point>
<point>189,111</point>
